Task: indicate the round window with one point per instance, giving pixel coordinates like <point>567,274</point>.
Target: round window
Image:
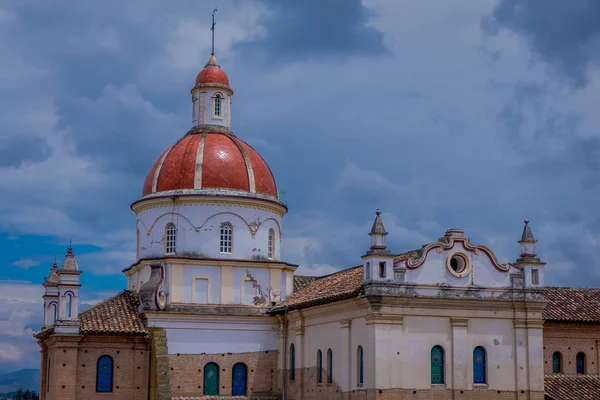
<point>458,264</point>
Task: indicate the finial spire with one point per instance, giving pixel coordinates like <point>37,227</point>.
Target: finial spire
<point>212,28</point>
<point>527,235</point>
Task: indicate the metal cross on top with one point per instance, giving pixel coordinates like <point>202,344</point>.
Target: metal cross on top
<point>212,28</point>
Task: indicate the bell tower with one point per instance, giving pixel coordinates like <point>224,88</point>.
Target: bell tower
<point>528,261</point>
<point>68,295</point>
<point>378,262</point>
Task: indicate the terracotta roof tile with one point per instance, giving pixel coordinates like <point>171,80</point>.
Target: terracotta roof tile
<point>572,387</point>
<point>302,281</point>
<point>341,285</point>
<point>572,304</point>
<point>118,314</point>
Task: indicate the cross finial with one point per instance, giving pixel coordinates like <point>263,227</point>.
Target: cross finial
<point>212,28</point>
<point>70,243</point>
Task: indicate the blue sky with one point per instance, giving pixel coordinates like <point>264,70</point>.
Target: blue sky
<point>466,113</point>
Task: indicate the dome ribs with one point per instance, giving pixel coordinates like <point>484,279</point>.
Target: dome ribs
<point>263,178</point>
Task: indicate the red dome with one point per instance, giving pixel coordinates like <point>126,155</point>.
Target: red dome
<point>212,73</point>
<point>210,161</point>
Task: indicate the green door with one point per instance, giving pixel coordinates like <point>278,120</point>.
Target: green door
<point>437,365</point>
<point>211,379</point>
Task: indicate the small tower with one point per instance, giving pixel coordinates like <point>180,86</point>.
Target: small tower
<point>68,292</point>
<point>528,262</point>
<point>51,299</point>
<point>378,262</point>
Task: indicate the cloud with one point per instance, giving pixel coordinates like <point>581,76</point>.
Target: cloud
<point>310,29</point>
<point>564,34</point>
<point>25,263</point>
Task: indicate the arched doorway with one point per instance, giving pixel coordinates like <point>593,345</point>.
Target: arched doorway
<point>240,379</point>
<point>211,379</point>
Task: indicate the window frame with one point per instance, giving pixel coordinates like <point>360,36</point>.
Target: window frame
<point>68,305</point>
<point>483,364</point>
<point>557,362</point>
<point>271,244</point>
<point>204,379</point>
<point>382,269</point>
<point>226,238</point>
<point>581,355</point>
<point>535,276</point>
<point>442,372</point>
<point>360,363</point>
<point>112,373</point>
<point>329,366</point>
<point>217,109</point>
<point>319,366</point>
<point>170,238</point>
<point>292,362</point>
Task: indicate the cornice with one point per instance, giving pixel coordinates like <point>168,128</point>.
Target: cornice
<point>196,198</point>
<point>211,262</point>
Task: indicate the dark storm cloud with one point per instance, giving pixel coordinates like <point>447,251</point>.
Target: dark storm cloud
<point>319,29</point>
<point>21,149</point>
<point>564,33</point>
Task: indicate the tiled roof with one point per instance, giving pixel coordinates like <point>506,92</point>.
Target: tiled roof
<point>341,285</point>
<point>572,387</point>
<point>118,314</point>
<point>302,281</point>
<point>572,304</point>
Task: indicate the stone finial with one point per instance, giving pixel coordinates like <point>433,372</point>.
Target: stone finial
<point>378,228</point>
<point>527,235</point>
<point>69,264</point>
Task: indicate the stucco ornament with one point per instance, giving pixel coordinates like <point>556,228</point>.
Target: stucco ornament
<point>254,225</point>
<point>152,294</point>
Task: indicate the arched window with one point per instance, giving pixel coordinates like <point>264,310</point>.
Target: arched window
<point>239,380</point>
<point>211,379</point>
<point>52,313</point>
<point>361,365</point>
<point>329,366</point>
<point>437,365</point>
<point>580,363</point>
<point>226,242</point>
<point>170,238</point>
<point>292,362</point>
<point>479,367</point>
<point>557,363</point>
<point>319,366</point>
<point>217,108</point>
<point>271,244</point>
<point>104,374</point>
<point>68,303</point>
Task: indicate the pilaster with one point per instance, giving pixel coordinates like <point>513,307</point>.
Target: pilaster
<point>521,346</point>
<point>300,356</point>
<point>535,346</point>
<point>460,354</point>
<point>384,332</point>
<point>345,376</point>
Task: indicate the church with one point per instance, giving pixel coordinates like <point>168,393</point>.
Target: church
<point>213,312</point>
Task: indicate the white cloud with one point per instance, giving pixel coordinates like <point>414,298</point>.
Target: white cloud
<point>10,353</point>
<point>25,263</point>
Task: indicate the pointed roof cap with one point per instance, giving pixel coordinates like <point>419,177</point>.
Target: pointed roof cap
<point>212,73</point>
<point>378,228</point>
<point>69,264</point>
<point>527,235</point>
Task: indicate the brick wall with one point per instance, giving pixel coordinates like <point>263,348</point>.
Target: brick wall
<point>72,367</point>
<point>186,373</point>
<point>570,339</point>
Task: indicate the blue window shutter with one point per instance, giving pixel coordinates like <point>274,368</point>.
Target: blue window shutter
<point>104,374</point>
<point>479,372</point>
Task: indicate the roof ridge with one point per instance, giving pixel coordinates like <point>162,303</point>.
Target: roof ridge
<point>338,272</point>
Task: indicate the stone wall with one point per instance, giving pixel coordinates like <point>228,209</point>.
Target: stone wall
<point>306,387</point>
<point>186,373</point>
<point>570,339</point>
